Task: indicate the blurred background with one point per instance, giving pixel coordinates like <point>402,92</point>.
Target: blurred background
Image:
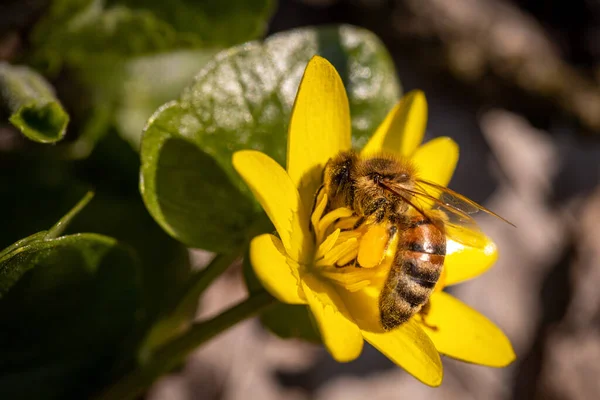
<point>517,84</point>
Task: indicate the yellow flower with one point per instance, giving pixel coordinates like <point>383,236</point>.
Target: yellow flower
<point>344,301</point>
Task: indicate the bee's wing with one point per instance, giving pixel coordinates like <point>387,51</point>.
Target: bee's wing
<point>455,223</point>
<point>453,199</point>
<point>449,210</point>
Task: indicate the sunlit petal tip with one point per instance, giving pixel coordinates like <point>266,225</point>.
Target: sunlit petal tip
<point>402,130</point>
<point>465,334</point>
<point>436,160</point>
<point>277,273</point>
<point>339,333</point>
<point>491,250</point>
<point>506,359</point>
<point>411,348</point>
<point>463,263</point>
<point>274,190</point>
<point>319,126</point>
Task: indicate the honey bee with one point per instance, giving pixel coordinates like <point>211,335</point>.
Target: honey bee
<point>385,192</point>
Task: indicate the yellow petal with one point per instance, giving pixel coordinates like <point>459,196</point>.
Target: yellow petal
<point>319,126</point>
<point>278,196</point>
<point>435,160</point>
<point>410,347</point>
<point>402,129</point>
<point>465,334</point>
<point>340,334</point>
<point>273,268</point>
<point>463,262</point>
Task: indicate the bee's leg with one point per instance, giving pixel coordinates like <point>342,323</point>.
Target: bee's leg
<point>358,223</point>
<point>314,205</point>
<point>352,263</point>
<point>423,313</point>
<point>377,207</point>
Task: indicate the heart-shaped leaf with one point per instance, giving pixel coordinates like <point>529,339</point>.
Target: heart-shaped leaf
<point>66,315</point>
<point>117,210</point>
<point>242,100</point>
<point>67,302</point>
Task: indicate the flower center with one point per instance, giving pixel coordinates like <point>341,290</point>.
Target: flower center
<point>337,243</point>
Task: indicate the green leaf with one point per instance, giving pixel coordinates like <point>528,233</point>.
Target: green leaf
<point>215,22</point>
<point>185,190</point>
<point>65,319</point>
<point>144,86</point>
<point>81,33</point>
<point>32,104</point>
<point>117,211</point>
<point>64,222</point>
<point>241,100</point>
<point>178,318</point>
<point>125,93</point>
<point>132,56</point>
<point>165,262</point>
<point>12,266</point>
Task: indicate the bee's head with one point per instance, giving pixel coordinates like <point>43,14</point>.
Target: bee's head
<point>387,170</point>
<point>379,180</point>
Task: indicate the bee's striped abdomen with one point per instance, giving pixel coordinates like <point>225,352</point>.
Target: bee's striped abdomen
<point>414,272</point>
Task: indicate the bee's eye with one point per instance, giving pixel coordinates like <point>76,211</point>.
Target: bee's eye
<point>342,175</point>
<point>376,177</point>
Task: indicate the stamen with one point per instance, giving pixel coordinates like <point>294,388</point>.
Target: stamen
<point>346,235</point>
<point>327,245</point>
<point>350,278</point>
<point>337,252</point>
<point>351,255</point>
<point>346,223</point>
<point>329,219</point>
<point>337,245</point>
<point>319,209</point>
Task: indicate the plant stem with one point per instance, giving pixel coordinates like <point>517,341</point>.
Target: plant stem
<point>202,280</point>
<point>179,318</point>
<point>173,353</point>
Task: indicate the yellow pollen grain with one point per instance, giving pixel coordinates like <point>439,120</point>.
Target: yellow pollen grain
<point>372,246</point>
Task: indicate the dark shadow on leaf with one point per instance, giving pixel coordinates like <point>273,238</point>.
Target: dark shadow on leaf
<point>63,323</point>
<point>197,200</point>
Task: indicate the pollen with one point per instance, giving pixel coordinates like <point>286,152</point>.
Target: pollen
<point>337,243</point>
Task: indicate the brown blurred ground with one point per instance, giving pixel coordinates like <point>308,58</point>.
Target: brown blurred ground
<point>516,85</point>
